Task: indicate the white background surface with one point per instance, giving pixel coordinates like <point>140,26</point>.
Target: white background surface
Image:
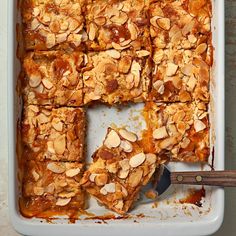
<point>229,225</point>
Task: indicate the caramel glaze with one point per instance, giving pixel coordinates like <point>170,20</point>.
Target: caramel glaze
<point>195,197</point>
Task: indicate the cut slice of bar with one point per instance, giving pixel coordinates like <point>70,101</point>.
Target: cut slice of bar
<point>119,169</point>
<point>53,78</point>
<point>53,133</point>
<point>51,24</point>
<point>180,76</point>
<point>52,187</point>
<point>182,50</point>
<point>117,24</point>
<point>177,131</point>
<point>183,24</point>
<point>115,77</point>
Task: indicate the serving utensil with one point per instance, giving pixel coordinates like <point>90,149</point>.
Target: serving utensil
<point>165,178</point>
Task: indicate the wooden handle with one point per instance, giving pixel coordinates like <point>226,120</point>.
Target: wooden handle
<point>212,178</point>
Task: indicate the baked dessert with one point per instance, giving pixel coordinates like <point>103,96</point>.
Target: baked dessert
<point>52,187</point>
<point>119,169</point>
<point>53,78</point>
<point>52,24</point>
<point>53,133</point>
<point>117,24</point>
<point>117,77</point>
<point>177,131</point>
<point>182,50</point>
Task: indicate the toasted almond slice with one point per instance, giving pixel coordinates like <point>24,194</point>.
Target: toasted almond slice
<point>56,167</point>
<point>108,188</point>
<point>201,48</point>
<point>101,179</point>
<point>112,140</point>
<point>151,158</point>
<point>164,23</point>
<point>119,19</point>
<point>35,175</point>
<point>142,53</point>
<point>92,177</point>
<point>47,84</point>
<point>187,69</point>
<point>124,164</point>
<point>118,47</point>
<point>168,143</point>
<point>158,56</point>
<point>34,80</point>
<point>36,11</point>
<point>61,37</point>
<point>101,20</point>
<point>135,178</point>
<point>199,125</point>
<point>159,86</point>
<point>113,53</point>
<point>63,201</point>
<point>35,24</point>
<point>171,69</point>
<point>153,21</point>
<point>72,172</point>
<point>51,147</point>
<point>133,30</point>
<point>128,135</point>
<point>50,40</point>
<point>126,146</point>
<point>137,160</point>
<point>123,174</point>
<point>60,144</point>
<point>39,191</point>
<point>192,38</point>
<point>160,133</point>
<point>119,205</point>
<point>92,31</point>
<point>42,119</point>
<point>57,124</point>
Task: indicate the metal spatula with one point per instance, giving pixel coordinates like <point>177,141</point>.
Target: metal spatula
<point>164,179</point>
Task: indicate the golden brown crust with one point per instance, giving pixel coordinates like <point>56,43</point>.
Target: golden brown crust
<point>119,169</point>
<point>53,134</point>
<point>178,131</point>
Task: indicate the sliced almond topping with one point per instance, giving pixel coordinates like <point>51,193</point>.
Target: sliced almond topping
<point>51,147</point>
<point>153,21</point>
<point>151,158</point>
<point>35,175</point>
<point>56,167</point>
<point>33,108</point>
<point>57,124</point>
<point>112,140</point>
<point>72,172</point>
<point>50,188</point>
<point>137,160</point>
<point>92,177</point>
<point>35,24</point>
<point>123,174</point>
<point>101,20</point>
<point>50,40</point>
<point>92,31</point>
<point>191,83</point>
<point>119,205</point>
<point>112,168</point>
<point>133,31</point>
<point>164,23</point>
<point>60,144</point>
<point>128,135</point>
<point>168,143</point>
<point>142,53</point>
<point>36,11</point>
<point>135,178</point>
<point>55,26</point>
<point>108,188</point>
<point>119,19</point>
<point>160,133</point>
<point>159,86</point>
<point>201,48</point>
<point>171,69</point>
<point>158,56</point>
<point>124,164</point>
<point>192,38</point>
<point>113,53</point>
<point>187,69</point>
<point>47,84</point>
<point>199,125</point>
<point>63,201</point>
<point>42,119</point>
<point>34,80</point>
<point>101,179</point>
<point>185,142</point>
<point>118,47</point>
<point>126,146</point>
<point>61,37</point>
<point>38,191</point>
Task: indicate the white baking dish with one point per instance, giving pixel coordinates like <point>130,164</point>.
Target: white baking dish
<point>168,218</point>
